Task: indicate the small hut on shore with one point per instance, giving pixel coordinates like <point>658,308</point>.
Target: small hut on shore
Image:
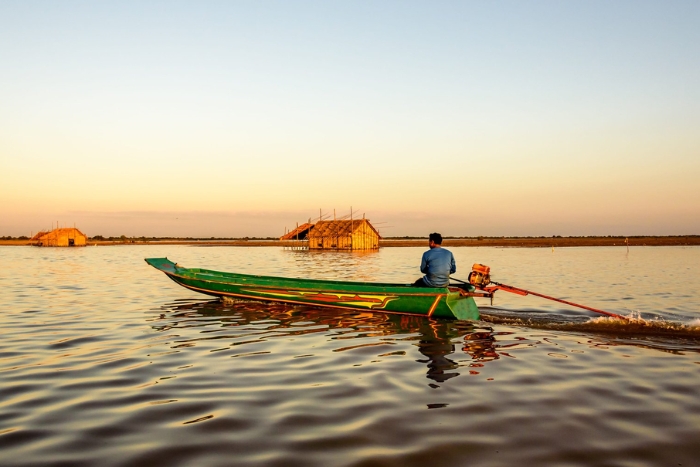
<point>60,237</point>
<point>345,234</point>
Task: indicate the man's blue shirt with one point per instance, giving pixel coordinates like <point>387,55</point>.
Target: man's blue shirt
<point>437,264</point>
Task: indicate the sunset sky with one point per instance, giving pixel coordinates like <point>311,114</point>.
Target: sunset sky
<point>240,118</point>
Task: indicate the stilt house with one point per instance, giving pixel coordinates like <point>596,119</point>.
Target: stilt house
<point>343,235</point>
<point>60,237</point>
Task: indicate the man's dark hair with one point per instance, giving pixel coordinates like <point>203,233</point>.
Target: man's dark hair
<point>436,237</point>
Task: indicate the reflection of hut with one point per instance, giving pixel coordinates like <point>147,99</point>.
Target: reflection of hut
<point>343,235</point>
<point>60,237</point>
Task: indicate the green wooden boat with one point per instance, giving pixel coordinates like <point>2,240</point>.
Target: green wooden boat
<point>456,302</point>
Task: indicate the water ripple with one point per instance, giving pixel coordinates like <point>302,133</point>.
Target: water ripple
<point>141,372</point>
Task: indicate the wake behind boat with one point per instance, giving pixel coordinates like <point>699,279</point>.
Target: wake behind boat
<point>454,301</point>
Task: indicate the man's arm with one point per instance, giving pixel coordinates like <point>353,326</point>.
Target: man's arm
<point>424,264</point>
<point>453,266</point>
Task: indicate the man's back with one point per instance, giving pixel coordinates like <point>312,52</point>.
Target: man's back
<point>437,264</point>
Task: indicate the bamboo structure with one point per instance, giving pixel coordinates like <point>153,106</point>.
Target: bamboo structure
<point>344,233</point>
<point>347,234</point>
<point>60,237</point>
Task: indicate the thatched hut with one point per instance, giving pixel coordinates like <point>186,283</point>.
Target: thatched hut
<point>60,237</point>
<point>343,235</point>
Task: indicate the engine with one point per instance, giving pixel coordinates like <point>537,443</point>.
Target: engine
<point>479,277</point>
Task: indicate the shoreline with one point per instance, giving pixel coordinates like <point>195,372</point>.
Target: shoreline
<point>515,242</point>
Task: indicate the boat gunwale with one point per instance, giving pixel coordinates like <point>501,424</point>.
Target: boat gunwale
<point>419,291</point>
<point>212,272</point>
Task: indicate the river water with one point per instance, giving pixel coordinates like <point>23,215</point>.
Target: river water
<point>104,361</point>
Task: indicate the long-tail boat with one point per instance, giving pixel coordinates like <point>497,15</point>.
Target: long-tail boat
<point>454,301</point>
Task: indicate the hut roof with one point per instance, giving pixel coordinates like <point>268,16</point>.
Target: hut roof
<point>56,232</point>
<point>300,232</point>
<point>40,234</point>
<point>339,228</point>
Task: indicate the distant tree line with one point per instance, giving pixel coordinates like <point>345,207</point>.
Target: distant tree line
<point>482,237</point>
<point>124,238</point>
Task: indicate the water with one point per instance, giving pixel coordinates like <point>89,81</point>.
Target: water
<point>104,361</point>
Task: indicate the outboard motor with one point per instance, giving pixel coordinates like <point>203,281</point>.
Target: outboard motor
<point>480,277</point>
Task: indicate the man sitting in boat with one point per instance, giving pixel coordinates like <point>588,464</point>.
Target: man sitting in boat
<point>437,264</point>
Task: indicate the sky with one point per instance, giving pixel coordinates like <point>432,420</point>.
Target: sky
<point>242,118</point>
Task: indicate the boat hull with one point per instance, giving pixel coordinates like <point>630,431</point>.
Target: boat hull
<point>442,302</point>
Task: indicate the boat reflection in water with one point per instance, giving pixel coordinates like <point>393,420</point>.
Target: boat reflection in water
<point>446,345</point>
